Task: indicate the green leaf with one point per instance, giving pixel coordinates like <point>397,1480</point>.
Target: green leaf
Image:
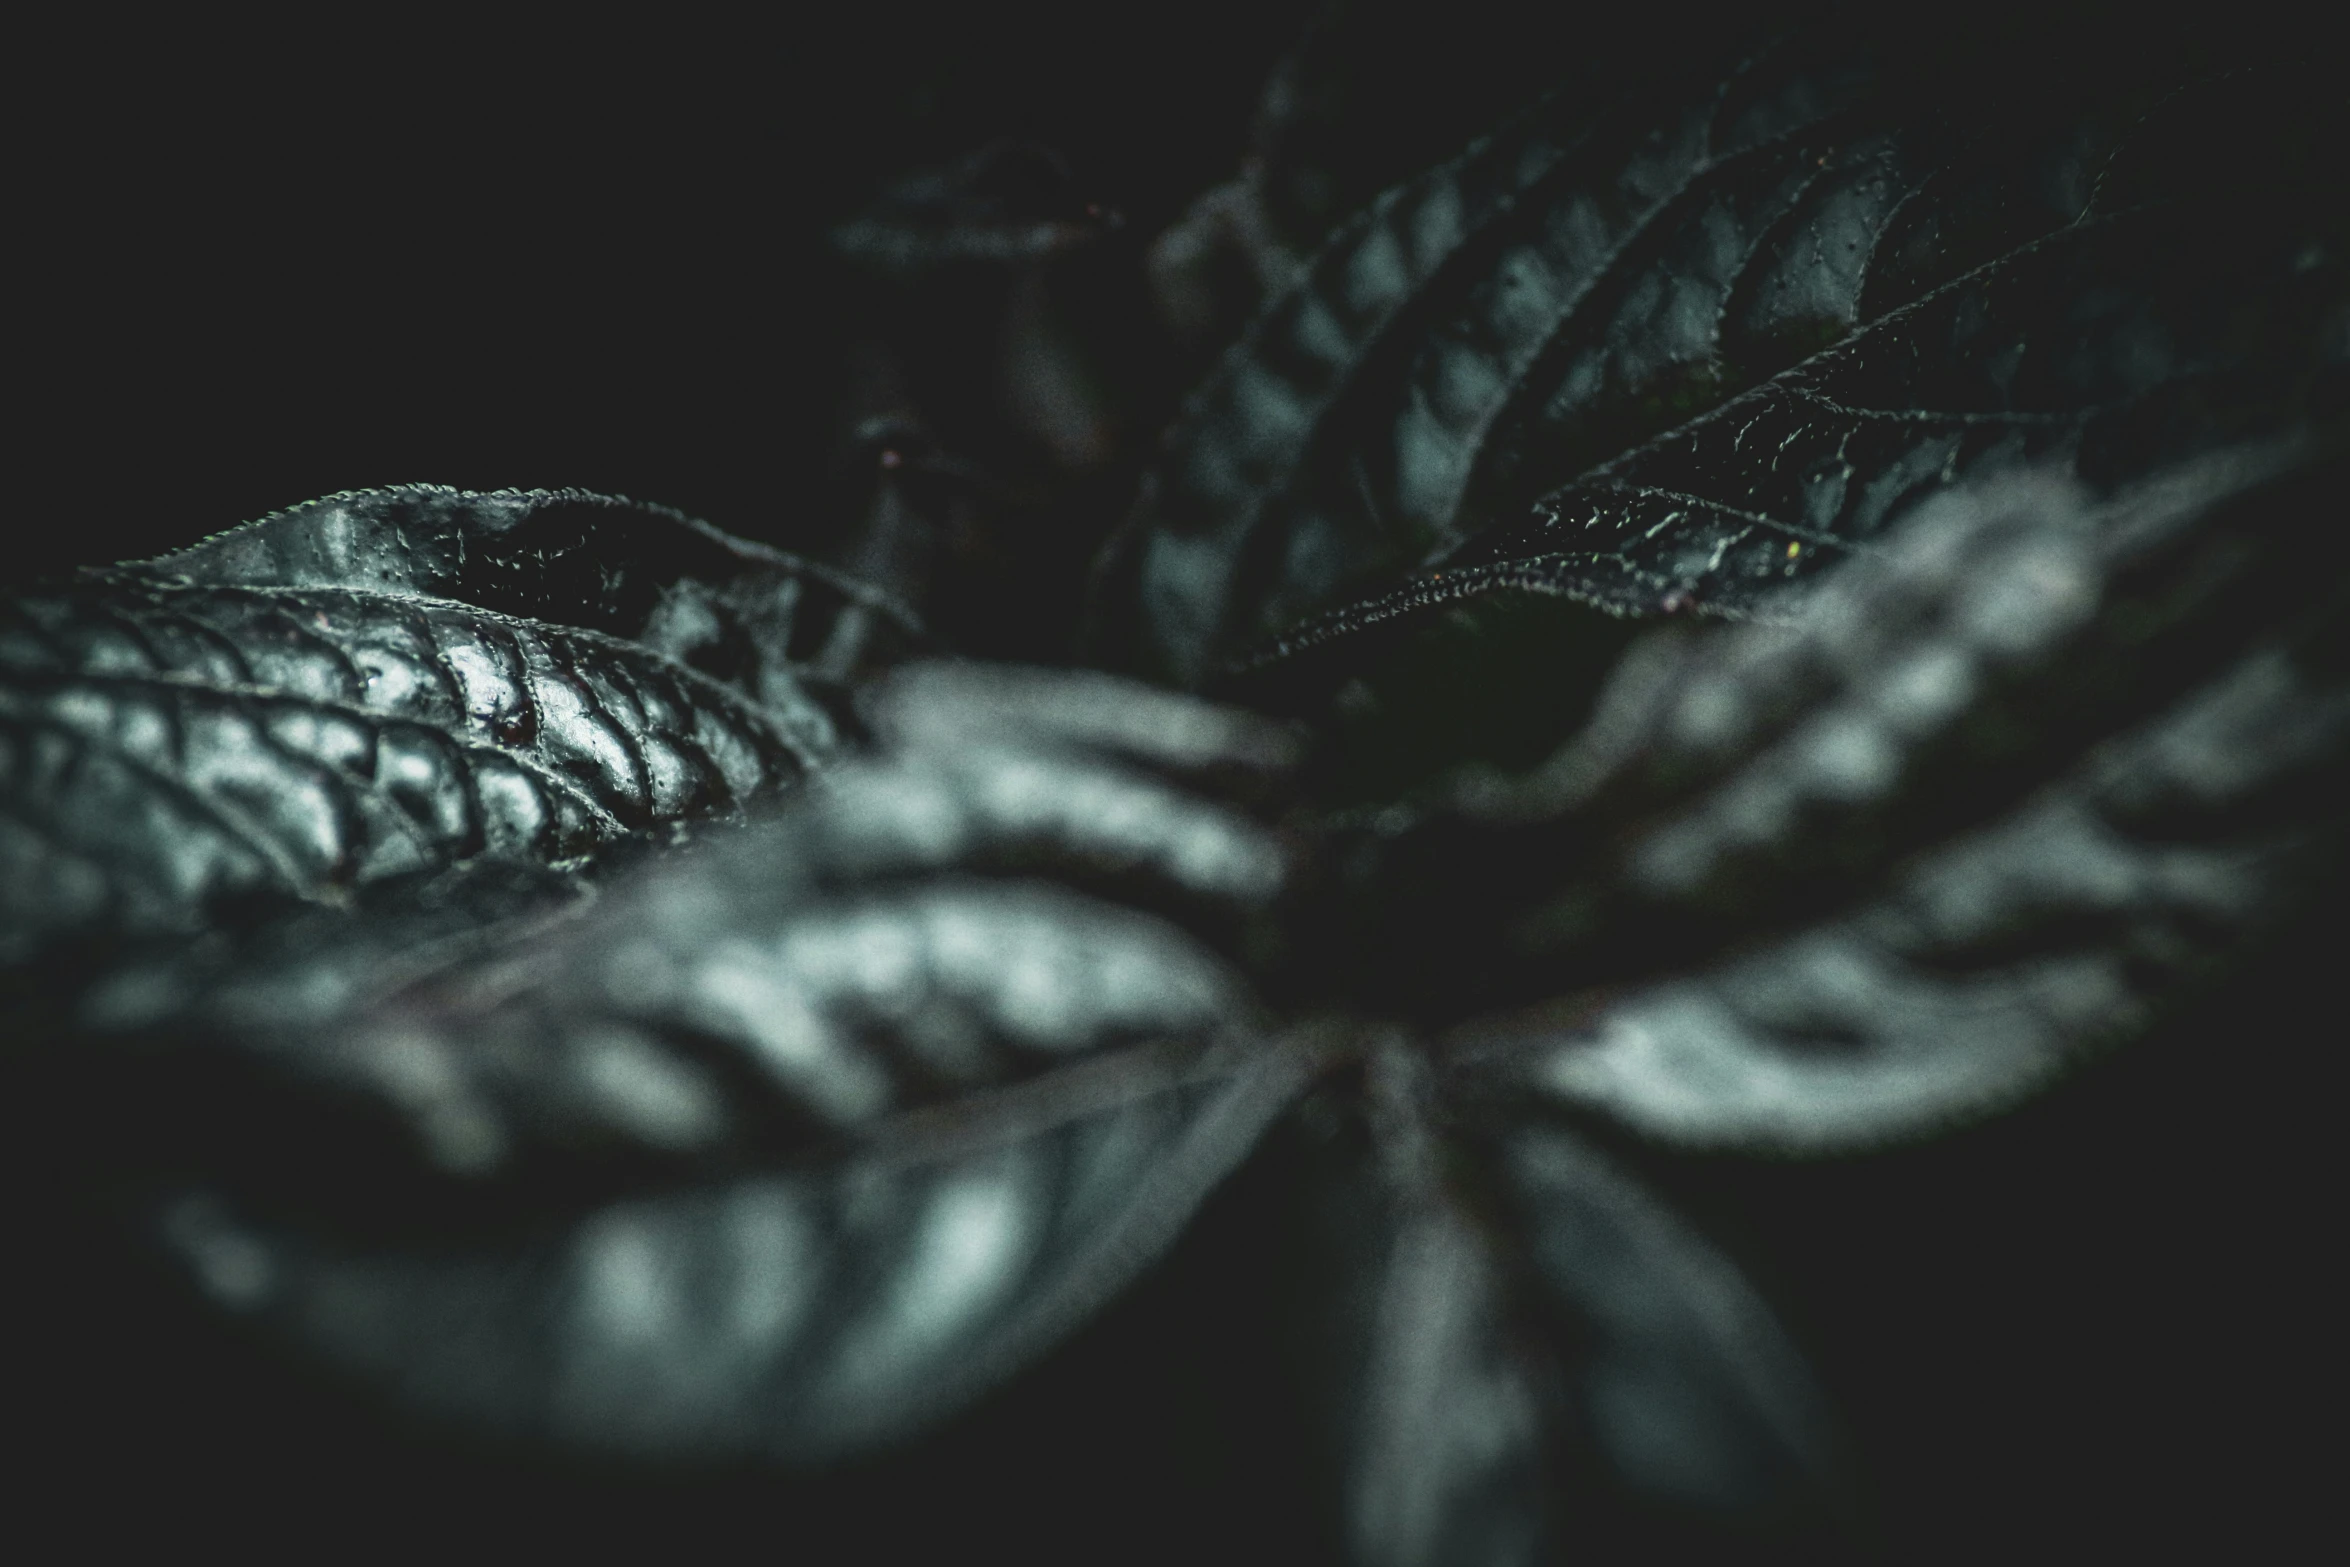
<point>1677,349</point>
<point>385,683</point>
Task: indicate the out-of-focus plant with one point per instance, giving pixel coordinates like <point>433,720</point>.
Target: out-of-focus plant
<point>1773,600</point>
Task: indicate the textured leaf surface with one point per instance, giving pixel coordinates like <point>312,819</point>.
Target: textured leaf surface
<point>907,932</point>
<point>387,683</point>
<point>1367,97</point>
<point>736,610</point>
<point>559,983</point>
<point>789,1136</point>
<point>1630,352</point>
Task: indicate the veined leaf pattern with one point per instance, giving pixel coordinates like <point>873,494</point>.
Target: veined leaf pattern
<point>887,941</point>
<point>573,978</point>
<point>740,611</point>
<point>804,1131</point>
<point>1586,357</point>
<point>352,690</point>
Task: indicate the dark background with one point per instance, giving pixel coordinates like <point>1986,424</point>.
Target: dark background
<point>267,268</point>
<point>263,268</point>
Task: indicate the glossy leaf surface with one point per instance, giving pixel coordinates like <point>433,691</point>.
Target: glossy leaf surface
<point>391,682</point>
<point>907,932</point>
<point>1525,1339</point>
<point>1776,592</point>
<point>789,1136</point>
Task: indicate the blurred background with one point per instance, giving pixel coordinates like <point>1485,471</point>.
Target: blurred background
<point>593,256</point>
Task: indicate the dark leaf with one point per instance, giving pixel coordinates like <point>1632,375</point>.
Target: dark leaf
<point>1520,1330</point>
<point>1007,204</point>
<point>1681,1378</point>
<point>389,682</point>
<point>754,617</point>
<point>2000,794</point>
<point>1368,96</point>
<point>860,1060</point>
<point>1666,350</point>
<point>2157,348</point>
<point>790,1314</point>
<point>560,981</point>
<point>1448,1411</point>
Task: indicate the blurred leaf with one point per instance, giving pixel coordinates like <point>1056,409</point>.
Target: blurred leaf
<point>2005,791</point>
<point>564,976</point>
<point>907,931</point>
<point>870,1061</point>
<point>1522,1340</point>
<point>790,1314</point>
<point>1682,1379</point>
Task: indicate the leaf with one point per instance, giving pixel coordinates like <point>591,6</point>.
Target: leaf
<point>1986,968</point>
<point>1955,825</point>
<point>1689,1389</point>
<point>881,942</point>
<point>351,691</point>
<point>1446,1430</point>
<point>792,1314</point>
<point>852,1063</point>
<point>1965,381</point>
<point>754,617</point>
<point>1367,97</point>
<point>1630,352</point>
<point>1006,204</point>
<point>558,972</point>
<point>1521,1331</point>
